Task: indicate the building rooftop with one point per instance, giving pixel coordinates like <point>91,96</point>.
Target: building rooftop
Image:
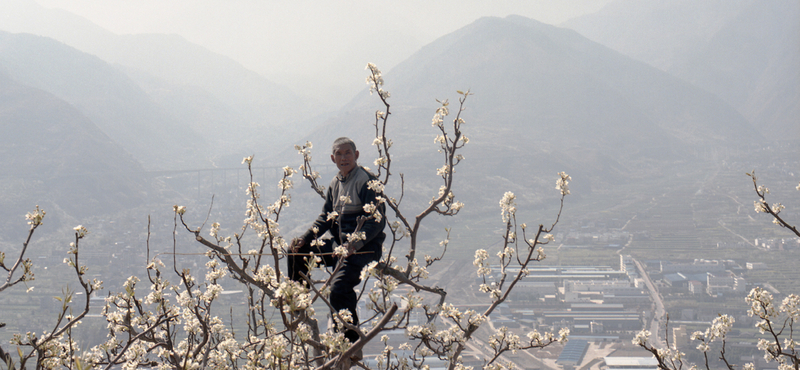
<point>631,362</point>
<point>573,352</point>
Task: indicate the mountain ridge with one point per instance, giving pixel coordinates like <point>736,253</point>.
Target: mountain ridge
<point>50,159</point>
<point>256,112</point>
<point>104,94</point>
<point>744,51</point>
<point>546,99</point>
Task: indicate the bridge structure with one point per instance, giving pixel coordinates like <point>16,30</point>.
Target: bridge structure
<point>221,180</point>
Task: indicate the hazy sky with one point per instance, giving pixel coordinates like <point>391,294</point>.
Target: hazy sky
<point>304,40</point>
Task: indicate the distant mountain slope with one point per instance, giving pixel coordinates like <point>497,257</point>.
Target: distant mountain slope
<point>177,61</point>
<point>661,33</point>
<point>235,109</point>
<point>104,94</point>
<point>248,110</point>
<point>546,100</point>
<point>745,51</point>
<point>535,74</point>
<point>753,63</point>
<point>543,85</point>
<point>55,157</point>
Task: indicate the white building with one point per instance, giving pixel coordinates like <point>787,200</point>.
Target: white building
<point>631,363</point>
<point>724,283</point>
<point>605,286</point>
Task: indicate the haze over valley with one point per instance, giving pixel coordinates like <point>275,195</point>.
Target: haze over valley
<point>656,109</point>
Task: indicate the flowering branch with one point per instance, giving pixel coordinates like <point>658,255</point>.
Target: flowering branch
<point>761,205</point>
<point>776,322</point>
<point>449,342</point>
<point>34,220</point>
<point>305,169</point>
<point>381,142</point>
<point>57,347</point>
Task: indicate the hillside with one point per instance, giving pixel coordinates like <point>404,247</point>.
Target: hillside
<point>752,63</point>
<point>744,51</point>
<point>540,89</point>
<point>105,95</point>
<point>55,157</point>
<point>545,100</point>
<point>229,105</point>
<point>661,33</point>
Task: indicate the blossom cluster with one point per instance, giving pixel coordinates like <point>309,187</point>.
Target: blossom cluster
<point>508,206</point>
<point>562,184</point>
<point>438,117</point>
<point>170,324</point>
<point>375,81</point>
<point>719,328</point>
<point>35,217</point>
<point>481,257</point>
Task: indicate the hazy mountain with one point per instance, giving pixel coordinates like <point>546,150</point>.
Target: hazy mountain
<point>254,105</point>
<point>105,95</point>
<point>536,84</point>
<point>55,157</point>
<point>745,51</point>
<point>545,100</point>
<point>753,63</point>
<point>227,103</point>
<point>659,32</point>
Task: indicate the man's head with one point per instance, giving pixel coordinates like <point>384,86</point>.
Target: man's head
<point>344,154</point>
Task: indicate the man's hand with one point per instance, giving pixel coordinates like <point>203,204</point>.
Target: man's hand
<point>297,243</point>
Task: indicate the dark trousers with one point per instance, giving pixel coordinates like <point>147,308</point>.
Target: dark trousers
<point>343,283</point>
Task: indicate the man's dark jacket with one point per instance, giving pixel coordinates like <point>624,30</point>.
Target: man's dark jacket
<point>355,188</point>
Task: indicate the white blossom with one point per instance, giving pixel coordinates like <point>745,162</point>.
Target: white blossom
<point>508,206</point>
<point>760,206</point>
<point>35,218</point>
<point>356,236</point>
<point>791,306</point>
<point>214,229</point>
<point>80,230</point>
<point>441,112</point>
<point>340,251</point>
<point>562,184</point>
<point>481,257</point>
<point>641,338</point>
<point>376,186</point>
<point>285,184</point>
<point>332,215</point>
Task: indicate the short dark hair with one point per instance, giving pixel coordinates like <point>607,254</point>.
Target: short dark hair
<point>341,141</point>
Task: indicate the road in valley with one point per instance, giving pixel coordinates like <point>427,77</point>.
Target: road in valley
<point>658,316</point>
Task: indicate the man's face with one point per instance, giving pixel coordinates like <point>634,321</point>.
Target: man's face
<point>345,158</point>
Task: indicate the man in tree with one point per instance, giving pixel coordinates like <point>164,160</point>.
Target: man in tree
<point>349,200</point>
